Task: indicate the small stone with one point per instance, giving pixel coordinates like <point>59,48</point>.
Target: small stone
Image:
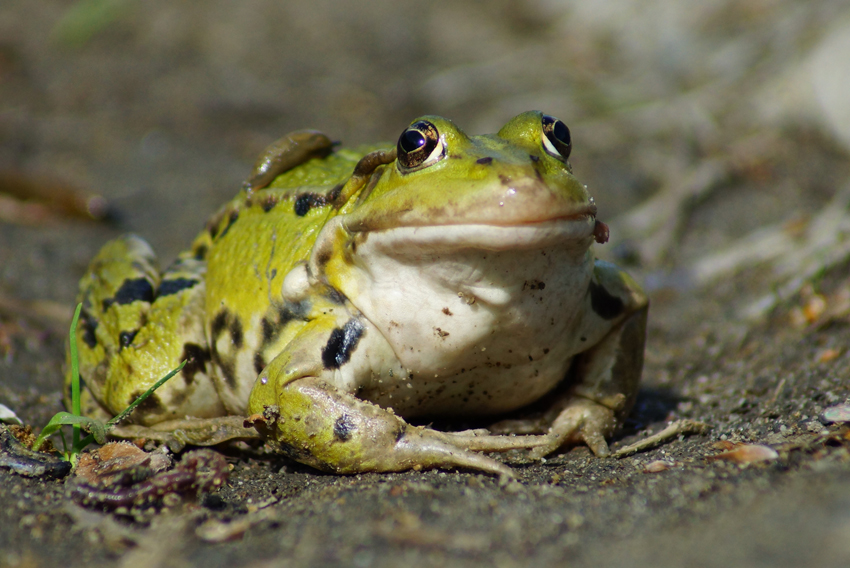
<point>838,413</point>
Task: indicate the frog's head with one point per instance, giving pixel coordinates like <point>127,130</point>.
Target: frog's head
<point>444,178</point>
<point>458,245</point>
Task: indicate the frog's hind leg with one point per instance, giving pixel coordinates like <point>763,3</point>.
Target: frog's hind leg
<point>138,324</point>
<point>322,426</point>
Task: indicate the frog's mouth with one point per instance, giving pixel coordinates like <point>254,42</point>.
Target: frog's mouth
<point>575,230</point>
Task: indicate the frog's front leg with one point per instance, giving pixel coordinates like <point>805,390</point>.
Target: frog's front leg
<point>307,396</point>
<point>603,381</point>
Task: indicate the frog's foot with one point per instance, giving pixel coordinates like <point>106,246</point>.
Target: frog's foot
<point>319,425</point>
<point>603,387</point>
<point>177,434</point>
<point>574,420</point>
<point>582,421</point>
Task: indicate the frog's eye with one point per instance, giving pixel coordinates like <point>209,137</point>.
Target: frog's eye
<point>556,137</point>
<point>419,146</point>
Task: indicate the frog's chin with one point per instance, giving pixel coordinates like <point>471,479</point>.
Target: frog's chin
<point>573,232</point>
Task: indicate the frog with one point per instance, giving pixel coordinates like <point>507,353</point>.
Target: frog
<point>345,297</point>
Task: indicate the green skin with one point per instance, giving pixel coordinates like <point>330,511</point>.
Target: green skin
<point>362,288</point>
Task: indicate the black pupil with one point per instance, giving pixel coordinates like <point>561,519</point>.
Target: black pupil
<point>561,132</point>
<point>412,140</point>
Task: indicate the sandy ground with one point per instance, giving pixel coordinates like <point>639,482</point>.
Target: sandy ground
<point>714,139</point>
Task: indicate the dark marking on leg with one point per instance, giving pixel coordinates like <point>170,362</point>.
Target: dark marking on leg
<point>236,332</point>
<point>169,287</point>
<point>151,404</point>
<point>228,371</point>
<point>196,358</point>
<point>125,338</point>
<point>323,257</point>
<point>259,362</point>
<point>344,427</point>
<point>341,344</point>
<point>218,324</point>
<point>269,331</point>
<point>285,314</point>
<point>131,290</point>
<point>484,161</point>
<point>88,324</point>
<point>603,303</point>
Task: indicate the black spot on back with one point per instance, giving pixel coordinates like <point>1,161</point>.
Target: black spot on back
<point>341,344</point>
<point>196,358</point>
<point>234,215</point>
<point>125,338</point>
<point>131,290</point>
<point>344,427</point>
<point>200,253</point>
<point>212,226</point>
<point>603,303</point>
<point>169,287</point>
<point>306,201</point>
<point>269,202</point>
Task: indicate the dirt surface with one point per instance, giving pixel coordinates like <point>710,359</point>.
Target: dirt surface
<point>713,137</point>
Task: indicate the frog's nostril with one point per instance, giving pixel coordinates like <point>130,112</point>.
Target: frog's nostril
<point>484,161</point>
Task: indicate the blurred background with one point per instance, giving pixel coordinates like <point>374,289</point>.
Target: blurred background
<point>714,136</point>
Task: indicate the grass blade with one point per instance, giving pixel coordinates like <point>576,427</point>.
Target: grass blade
<point>75,375</point>
<point>126,412</point>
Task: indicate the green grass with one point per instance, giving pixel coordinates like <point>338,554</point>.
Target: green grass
<point>96,429</point>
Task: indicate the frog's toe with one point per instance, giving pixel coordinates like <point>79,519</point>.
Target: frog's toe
<point>177,434</point>
<point>520,426</point>
<point>582,421</point>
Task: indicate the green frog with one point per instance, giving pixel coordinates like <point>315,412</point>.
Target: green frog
<point>346,294</point>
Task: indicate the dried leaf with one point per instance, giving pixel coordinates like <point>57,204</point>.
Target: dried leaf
<point>101,466</point>
<point>658,466</point>
<point>747,453</point>
<point>828,355</point>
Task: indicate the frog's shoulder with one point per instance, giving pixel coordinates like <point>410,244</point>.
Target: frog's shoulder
<point>302,193</point>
